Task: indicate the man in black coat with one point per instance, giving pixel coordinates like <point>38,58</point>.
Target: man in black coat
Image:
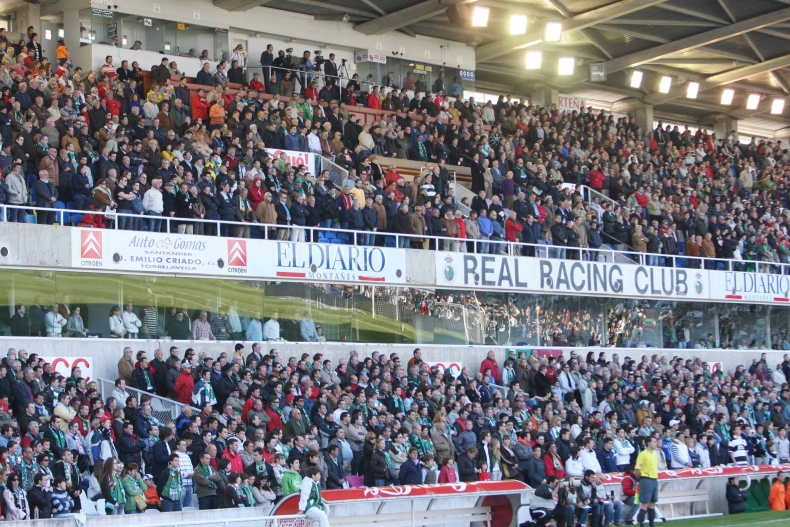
<point>159,371</point>
<point>529,235</point>
<point>161,452</point>
<point>46,196</point>
<point>559,237</point>
<point>573,241</point>
<point>20,323</point>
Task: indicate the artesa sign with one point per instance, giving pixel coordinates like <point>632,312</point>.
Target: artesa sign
<point>567,276</point>
<point>569,104</point>
<point>214,256</point>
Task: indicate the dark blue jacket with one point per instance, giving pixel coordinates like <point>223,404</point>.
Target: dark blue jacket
<point>410,473</point>
<point>607,461</point>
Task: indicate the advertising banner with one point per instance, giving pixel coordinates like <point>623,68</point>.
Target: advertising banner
<point>63,366</point>
<point>567,276</point>
<point>453,367</point>
<point>213,256</point>
<point>295,159</point>
<point>570,104</point>
<point>751,287</point>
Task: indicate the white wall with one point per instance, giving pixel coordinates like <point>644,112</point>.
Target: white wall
<point>146,59</point>
<point>274,24</point>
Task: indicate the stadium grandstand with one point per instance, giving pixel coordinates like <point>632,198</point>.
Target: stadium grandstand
<point>403,262</point>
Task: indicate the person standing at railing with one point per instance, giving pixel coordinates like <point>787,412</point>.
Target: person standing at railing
<point>17,192</point>
<point>46,196</point>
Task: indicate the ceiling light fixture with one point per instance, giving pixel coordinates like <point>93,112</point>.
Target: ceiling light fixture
<point>692,90</point>
<point>636,79</point>
<point>727,96</point>
<point>534,60</point>
<point>566,65</point>
<point>753,101</point>
<point>665,85</point>
<point>480,16</point>
<point>518,24</point>
<point>553,32</point>
<point>777,106</point>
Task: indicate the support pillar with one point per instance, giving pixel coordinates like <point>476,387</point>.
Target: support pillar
<point>640,111</point>
<point>71,30</point>
<point>545,97</point>
<point>723,128</point>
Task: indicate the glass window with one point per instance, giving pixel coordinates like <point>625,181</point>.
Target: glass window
<point>35,290</point>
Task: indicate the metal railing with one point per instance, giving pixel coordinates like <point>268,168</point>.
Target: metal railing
<point>164,409</point>
<point>589,193</point>
<point>337,174</point>
<point>294,520</point>
<point>296,233</point>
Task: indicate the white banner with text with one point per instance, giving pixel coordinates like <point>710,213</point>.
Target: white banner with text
<point>213,256</point>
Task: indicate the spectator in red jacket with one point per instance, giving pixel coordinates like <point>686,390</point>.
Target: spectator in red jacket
<point>629,491</point>
<point>275,415</point>
<point>596,178</point>
<point>256,83</point>
<point>232,455</point>
<point>374,102</point>
<point>553,462</point>
<point>199,106</point>
<point>184,384</point>
<point>489,363</point>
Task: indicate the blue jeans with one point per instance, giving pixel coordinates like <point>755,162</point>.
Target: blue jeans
<point>186,497</point>
<point>581,514</point>
<point>124,221</point>
<point>652,259</point>
<point>169,505</point>
<point>207,503</point>
<point>482,248</point>
<point>404,243</point>
<point>613,511</point>
<point>367,239</point>
<point>559,252</point>
<point>154,221</point>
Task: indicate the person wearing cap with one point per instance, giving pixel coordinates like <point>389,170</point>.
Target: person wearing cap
<point>185,384</point>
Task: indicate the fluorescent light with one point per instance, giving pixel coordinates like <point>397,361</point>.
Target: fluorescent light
<point>566,65</point>
<point>534,60</point>
<point>518,24</point>
<point>636,79</point>
<point>480,16</point>
<point>753,101</point>
<point>61,33</point>
<point>777,106</point>
<point>692,90</point>
<point>48,34</point>
<point>666,84</point>
<point>553,32</point>
<point>727,97</point>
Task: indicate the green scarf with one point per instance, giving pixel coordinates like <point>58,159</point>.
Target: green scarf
<point>172,489</point>
<point>207,471</point>
<point>116,490</point>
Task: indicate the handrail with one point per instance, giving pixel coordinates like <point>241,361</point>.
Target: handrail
<point>603,254</point>
<point>169,411</point>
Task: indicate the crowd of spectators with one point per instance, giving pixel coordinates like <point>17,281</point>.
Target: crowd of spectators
<point>95,140</point>
<point>253,424</point>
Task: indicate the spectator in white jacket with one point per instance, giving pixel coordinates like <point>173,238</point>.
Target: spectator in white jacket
<point>131,323</point>
<point>622,450</point>
<point>154,205</point>
<point>588,456</point>
<point>117,330</point>
<point>54,322</point>
<point>17,193</point>
<point>783,446</point>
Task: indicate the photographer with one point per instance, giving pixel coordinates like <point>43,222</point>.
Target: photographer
<point>282,63</point>
<point>545,504</point>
